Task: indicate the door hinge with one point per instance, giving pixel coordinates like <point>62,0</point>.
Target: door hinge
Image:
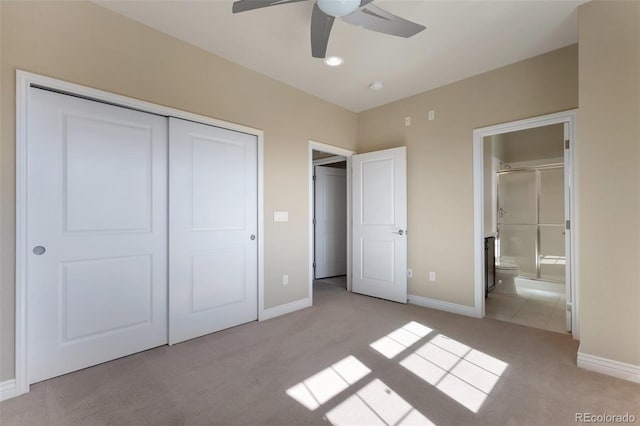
<point>314,266</point>
<point>314,177</point>
<point>569,307</point>
<point>567,224</point>
<point>566,144</point>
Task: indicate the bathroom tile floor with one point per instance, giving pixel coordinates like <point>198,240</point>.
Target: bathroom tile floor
<point>531,307</point>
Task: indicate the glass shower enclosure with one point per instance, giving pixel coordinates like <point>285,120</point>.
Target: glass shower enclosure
<point>531,223</point>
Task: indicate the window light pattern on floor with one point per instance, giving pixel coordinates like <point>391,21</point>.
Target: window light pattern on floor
<point>462,373</point>
<point>399,340</point>
<point>376,404</point>
<point>321,387</point>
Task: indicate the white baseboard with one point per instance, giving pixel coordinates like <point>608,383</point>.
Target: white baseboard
<point>285,309</point>
<point>610,367</point>
<point>454,308</point>
<point>7,389</point>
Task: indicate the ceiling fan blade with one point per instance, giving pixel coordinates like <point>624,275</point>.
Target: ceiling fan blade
<point>321,24</point>
<point>375,19</point>
<point>245,5</point>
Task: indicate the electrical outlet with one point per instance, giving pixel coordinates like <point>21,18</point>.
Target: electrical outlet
<point>285,279</point>
<point>409,273</point>
<point>407,121</point>
<point>432,276</point>
<point>432,115</point>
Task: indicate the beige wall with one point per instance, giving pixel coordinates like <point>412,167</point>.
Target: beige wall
<point>608,151</point>
<point>532,144</point>
<point>85,44</point>
<point>440,155</point>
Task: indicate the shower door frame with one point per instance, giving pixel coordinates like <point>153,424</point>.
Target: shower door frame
<point>536,170</point>
<point>568,119</point>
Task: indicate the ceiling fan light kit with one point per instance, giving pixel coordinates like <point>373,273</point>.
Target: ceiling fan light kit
<point>360,13</point>
<point>338,8</point>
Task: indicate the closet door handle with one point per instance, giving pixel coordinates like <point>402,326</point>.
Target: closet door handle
<point>39,250</point>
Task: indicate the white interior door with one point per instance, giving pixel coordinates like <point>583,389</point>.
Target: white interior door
<point>96,232</point>
<point>330,221</point>
<point>380,224</point>
<point>213,273</point>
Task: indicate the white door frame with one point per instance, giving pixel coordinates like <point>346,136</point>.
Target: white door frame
<point>25,80</point>
<point>341,152</point>
<point>566,117</point>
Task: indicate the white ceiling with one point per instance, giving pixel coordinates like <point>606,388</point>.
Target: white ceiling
<point>462,39</point>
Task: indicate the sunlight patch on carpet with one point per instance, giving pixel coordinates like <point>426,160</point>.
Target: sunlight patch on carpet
<point>464,374</point>
<point>399,340</point>
<point>376,404</point>
<point>322,386</point>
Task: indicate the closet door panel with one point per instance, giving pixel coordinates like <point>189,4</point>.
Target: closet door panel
<point>213,228</point>
<point>97,233</point>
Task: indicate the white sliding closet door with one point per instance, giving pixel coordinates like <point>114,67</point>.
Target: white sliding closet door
<point>212,232</point>
<point>97,233</point>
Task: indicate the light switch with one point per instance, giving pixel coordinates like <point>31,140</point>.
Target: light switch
<point>280,216</point>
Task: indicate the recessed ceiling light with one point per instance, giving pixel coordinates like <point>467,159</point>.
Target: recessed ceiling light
<point>376,85</point>
<point>334,61</point>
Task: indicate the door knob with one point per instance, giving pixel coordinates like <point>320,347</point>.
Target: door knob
<point>400,232</point>
<point>253,237</point>
<point>39,250</point>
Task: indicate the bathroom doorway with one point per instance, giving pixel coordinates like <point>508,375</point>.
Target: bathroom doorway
<point>525,181</point>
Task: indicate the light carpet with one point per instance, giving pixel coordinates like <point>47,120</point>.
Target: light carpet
<point>349,359</point>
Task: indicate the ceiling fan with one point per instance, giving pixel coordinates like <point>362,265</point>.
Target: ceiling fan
<point>355,12</point>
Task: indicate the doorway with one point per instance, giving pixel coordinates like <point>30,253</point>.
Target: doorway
<point>376,221</point>
<point>330,218</point>
<point>523,200</point>
<point>329,210</point>
<point>527,222</point>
